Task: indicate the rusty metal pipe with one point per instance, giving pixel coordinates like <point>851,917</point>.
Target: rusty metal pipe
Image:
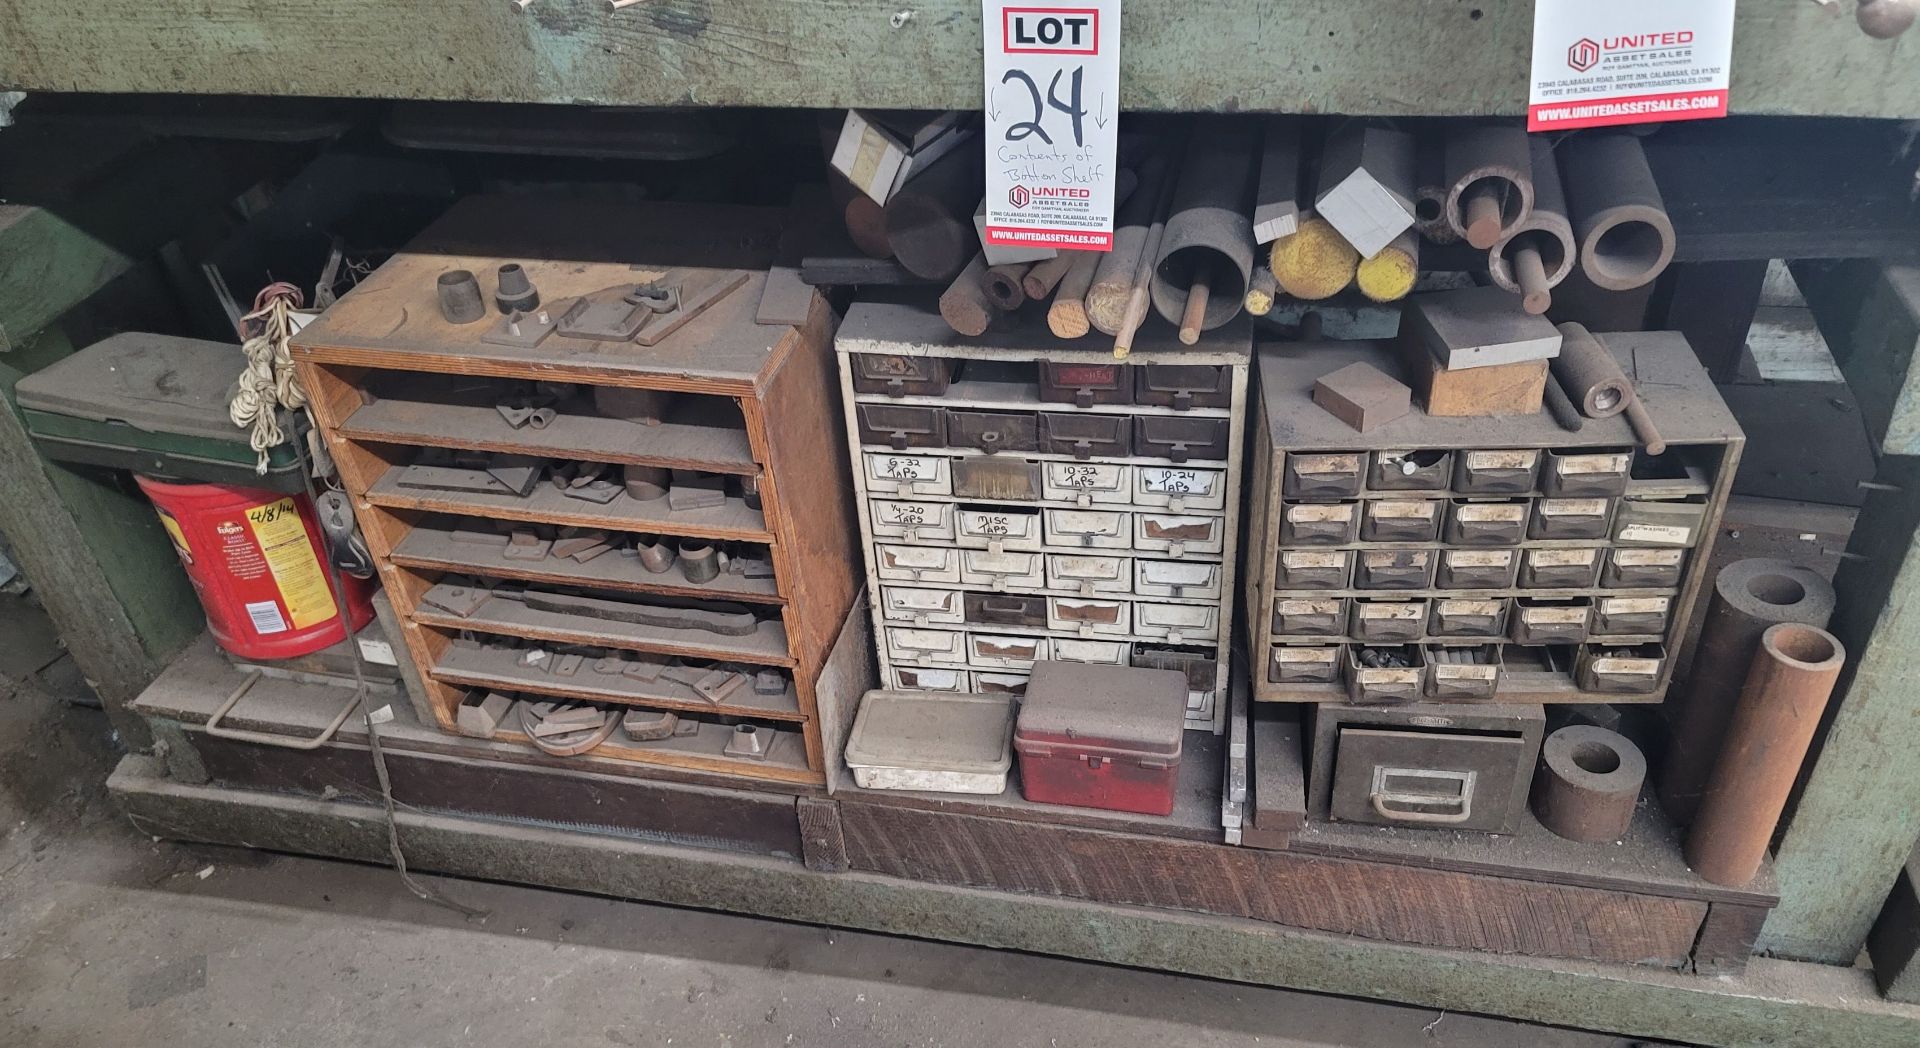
<point>1209,231</point>
<point>1590,375</point>
<point>1489,179</point>
<point>1619,219</point>
<point>1539,252</point>
<point>1749,597</point>
<point>1773,725</point>
<point>930,220</point>
<point>1589,783</point>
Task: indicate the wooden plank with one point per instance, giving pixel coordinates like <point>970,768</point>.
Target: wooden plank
<point>433,547</point>
<point>675,445</point>
<point>1406,904</point>
<point>1783,1003</point>
<point>1859,813</point>
<point>695,816</point>
<point>1894,944</point>
<point>1786,58</point>
<point>546,504</point>
<point>820,834</point>
<point>569,247</point>
<point>1726,938</point>
<point>502,669</point>
<point>766,646</point>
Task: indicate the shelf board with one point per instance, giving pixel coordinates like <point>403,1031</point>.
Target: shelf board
<point>1000,395</point>
<point>734,521</point>
<point>677,445</point>
<point>434,549</point>
<point>787,761</point>
<point>1525,690</point>
<point>500,669</point>
<point>884,450</point>
<point>915,329</point>
<point>766,646</point>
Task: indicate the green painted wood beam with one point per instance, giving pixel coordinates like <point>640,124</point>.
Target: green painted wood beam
<point>1776,1003</point>
<point>1860,813</point>
<point>1376,57</point>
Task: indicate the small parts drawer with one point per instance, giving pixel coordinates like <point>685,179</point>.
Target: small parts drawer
<point>916,563</point>
<point>1000,479</point>
<point>1586,473</point>
<point>1477,523</point>
<point>1643,522</point>
<point>1559,568</point>
<point>996,651</point>
<point>1335,476</point>
<point>912,521</point>
<point>1303,664</point>
<point>999,529</point>
<point>1005,609</point>
<point>1086,436</point>
<point>1548,621</point>
<point>921,607</point>
<point>1570,518</point>
<point>1088,528</point>
<point>1177,535</point>
<point>992,431</point>
<point>921,678</point>
<point>1636,670</point>
<point>1643,569</point>
<point>1319,524</point>
<point>1312,569</point>
<point>1388,621</point>
<point>1183,386</point>
<point>1087,483</point>
<point>1084,385</point>
<point>1394,569</point>
<point>1095,652</point>
<point>1385,674</point>
<point>1177,623</point>
<point>1631,616</point>
<point>1179,438</point>
<point>1463,674</point>
<point>990,683</point>
<point>1089,617</point>
<point>1468,617</point>
<point>898,376</point>
<point>942,647</point>
<point>1428,470</point>
<point>1000,571</point>
<point>1400,520</point>
<point>1186,579</point>
<point>1309,617</point>
<point>1461,781</point>
<point>1495,472</point>
<point>1477,569</point>
<point>1089,574</point>
<point>901,426</point>
<point>1179,489</point>
<point>907,475</point>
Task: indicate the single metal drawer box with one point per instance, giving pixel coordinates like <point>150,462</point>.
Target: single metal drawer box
<point>1178,535</point>
<point>993,431</point>
<point>1425,470</point>
<point>920,607</point>
<point>1335,476</point>
<point>1309,617</point>
<point>1086,436</point>
<point>1638,670</point>
<point>1400,520</point>
<point>986,682</point>
<point>1002,479</point>
<point>999,529</point>
<point>1089,617</point>
<point>920,678</point>
<point>901,426</point>
<point>1006,609</point>
<point>908,475</point>
<point>1179,488</point>
<point>1089,574</point>
<point>1177,623</point>
<point>912,521</point>
<point>1546,621</point>
<point>1468,617</point>
<point>1412,778</point>
<point>1641,522</point>
<point>1179,438</point>
<point>916,563</point>
<point>1084,385</point>
<point>1570,518</point>
<point>944,647</point>
<point>1001,571</point>
<point>1586,473</point>
<point>1506,472</point>
<point>1188,579</point>
<point>1313,569</point>
<point>1477,569</point>
<point>1463,674</point>
<point>1473,523</point>
<point>1088,483</point>
<point>1388,621</point>
<point>1385,675</point>
<point>1394,569</point>
<point>1631,616</point>
<point>996,651</point>
<point>1643,569</point>
<point>1319,524</point>
<point>900,376</point>
<point>1088,528</point>
<point>1303,664</point>
<point>1183,386</point>
<point>1559,568</point>
<point>1095,652</point>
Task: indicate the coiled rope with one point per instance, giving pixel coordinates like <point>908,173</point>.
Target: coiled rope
<point>268,384</point>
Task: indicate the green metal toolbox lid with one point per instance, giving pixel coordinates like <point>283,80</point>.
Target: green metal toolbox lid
<point>155,404</point>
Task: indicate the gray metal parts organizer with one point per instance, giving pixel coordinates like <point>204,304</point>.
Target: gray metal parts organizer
<point>1479,559</point>
<point>1024,497</point>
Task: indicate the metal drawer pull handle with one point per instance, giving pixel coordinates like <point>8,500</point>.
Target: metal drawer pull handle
<point>290,742</point>
<point>1383,798</point>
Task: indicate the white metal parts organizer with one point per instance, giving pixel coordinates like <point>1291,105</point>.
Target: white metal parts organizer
<point>1024,497</point>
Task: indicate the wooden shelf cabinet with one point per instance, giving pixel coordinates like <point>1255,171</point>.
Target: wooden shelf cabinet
<point>389,377</point>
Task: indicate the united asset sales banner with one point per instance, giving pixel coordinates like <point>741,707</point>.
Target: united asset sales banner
<point>1053,118</point>
<point>1603,62</point>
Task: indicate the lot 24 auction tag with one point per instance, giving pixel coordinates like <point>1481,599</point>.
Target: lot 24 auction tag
<point>1628,62</point>
<point>1053,117</point>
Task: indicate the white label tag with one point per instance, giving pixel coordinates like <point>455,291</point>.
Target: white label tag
<point>377,651</point>
<point>1665,535</point>
<point>1628,62</point>
<point>1053,108</point>
<point>1178,481</point>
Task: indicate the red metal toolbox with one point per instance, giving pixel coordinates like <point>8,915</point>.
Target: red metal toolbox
<point>1096,736</point>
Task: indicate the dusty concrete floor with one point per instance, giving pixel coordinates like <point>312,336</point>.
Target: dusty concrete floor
<point>109,938</point>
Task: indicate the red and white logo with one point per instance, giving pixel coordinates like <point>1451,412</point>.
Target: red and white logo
<point>1583,55</point>
<point>1018,196</point>
<point>1050,30</point>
